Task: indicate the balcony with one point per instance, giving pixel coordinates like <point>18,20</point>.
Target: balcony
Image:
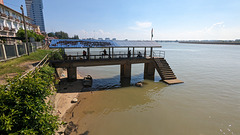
<point>5,28</point>
<point>13,30</point>
<point>3,15</point>
<point>17,20</point>
<point>10,17</point>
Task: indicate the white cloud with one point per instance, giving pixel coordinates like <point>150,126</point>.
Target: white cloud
<point>141,26</point>
<point>216,26</point>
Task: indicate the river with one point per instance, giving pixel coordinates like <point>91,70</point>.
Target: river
<point>207,103</point>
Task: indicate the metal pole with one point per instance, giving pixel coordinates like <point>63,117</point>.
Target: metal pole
<point>26,37</point>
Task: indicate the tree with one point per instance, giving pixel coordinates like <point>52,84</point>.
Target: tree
<point>30,33</point>
<point>51,34</point>
<point>61,35</point>
<point>75,37</point>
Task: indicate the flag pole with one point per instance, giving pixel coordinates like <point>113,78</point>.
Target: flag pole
<point>151,34</point>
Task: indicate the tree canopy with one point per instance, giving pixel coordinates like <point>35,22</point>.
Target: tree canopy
<point>61,35</point>
<point>30,34</point>
<point>51,34</point>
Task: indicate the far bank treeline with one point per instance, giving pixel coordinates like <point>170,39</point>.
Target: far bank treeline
<point>62,35</point>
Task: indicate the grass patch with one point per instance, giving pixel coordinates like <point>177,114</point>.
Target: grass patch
<point>12,66</point>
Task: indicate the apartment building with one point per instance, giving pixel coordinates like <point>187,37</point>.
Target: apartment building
<point>35,11</point>
<point>11,21</point>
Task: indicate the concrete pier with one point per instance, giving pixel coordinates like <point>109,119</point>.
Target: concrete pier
<point>151,62</point>
<point>125,74</point>
<point>72,73</point>
<point>149,71</point>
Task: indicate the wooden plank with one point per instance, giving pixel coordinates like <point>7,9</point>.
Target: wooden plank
<point>173,81</point>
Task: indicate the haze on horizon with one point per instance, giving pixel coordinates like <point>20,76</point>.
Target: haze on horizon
<point>128,19</point>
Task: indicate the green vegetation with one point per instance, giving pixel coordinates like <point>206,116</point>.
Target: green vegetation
<point>12,66</point>
<point>23,109</point>
<point>30,34</point>
<point>57,55</point>
<point>61,35</point>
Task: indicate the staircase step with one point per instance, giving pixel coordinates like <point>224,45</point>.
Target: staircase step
<point>165,69</point>
<point>169,78</point>
<point>168,74</point>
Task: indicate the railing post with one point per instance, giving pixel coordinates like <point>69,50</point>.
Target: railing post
<point>133,51</point>
<point>25,46</point>
<point>151,52</point>
<point>4,52</point>
<point>32,47</point>
<point>109,55</point>
<point>127,52</point>
<point>112,52</point>
<point>145,52</point>
<point>16,49</point>
<point>88,51</point>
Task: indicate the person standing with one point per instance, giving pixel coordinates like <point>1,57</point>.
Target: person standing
<point>84,54</point>
<point>129,54</point>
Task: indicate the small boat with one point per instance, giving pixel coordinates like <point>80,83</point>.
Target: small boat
<point>87,81</point>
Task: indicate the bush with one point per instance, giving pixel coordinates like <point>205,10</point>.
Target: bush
<point>57,55</point>
<point>23,109</point>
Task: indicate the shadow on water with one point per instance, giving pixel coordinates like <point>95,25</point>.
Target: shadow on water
<point>66,86</point>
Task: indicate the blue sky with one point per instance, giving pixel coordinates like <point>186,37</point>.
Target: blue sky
<point>131,19</point>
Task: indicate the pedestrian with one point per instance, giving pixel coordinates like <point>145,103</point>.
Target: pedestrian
<point>84,54</point>
<point>129,54</point>
<point>104,52</point>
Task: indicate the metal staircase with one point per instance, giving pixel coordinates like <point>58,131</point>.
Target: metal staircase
<point>165,71</point>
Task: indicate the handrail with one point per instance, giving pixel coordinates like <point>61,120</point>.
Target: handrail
<point>159,53</point>
<point>40,64</point>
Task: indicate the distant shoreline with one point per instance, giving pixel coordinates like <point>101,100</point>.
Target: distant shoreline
<point>201,42</point>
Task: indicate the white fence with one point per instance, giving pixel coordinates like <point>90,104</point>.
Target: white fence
<point>16,50</point>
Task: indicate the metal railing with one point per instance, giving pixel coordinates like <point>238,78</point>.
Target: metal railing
<point>159,54</point>
<point>38,66</point>
<point>8,52</point>
<point>115,55</point>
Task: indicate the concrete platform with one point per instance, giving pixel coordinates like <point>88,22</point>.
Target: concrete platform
<point>173,81</point>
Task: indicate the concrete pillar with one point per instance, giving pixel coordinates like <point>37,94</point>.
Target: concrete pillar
<point>145,52</point>
<point>72,73</point>
<point>88,51</point>
<point>112,52</point>
<point>4,52</point>
<point>32,47</point>
<point>125,74</point>
<point>16,50</point>
<point>133,51</point>
<point>151,52</point>
<point>25,46</point>
<point>149,71</point>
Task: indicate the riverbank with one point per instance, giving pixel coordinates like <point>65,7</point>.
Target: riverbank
<point>66,92</point>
